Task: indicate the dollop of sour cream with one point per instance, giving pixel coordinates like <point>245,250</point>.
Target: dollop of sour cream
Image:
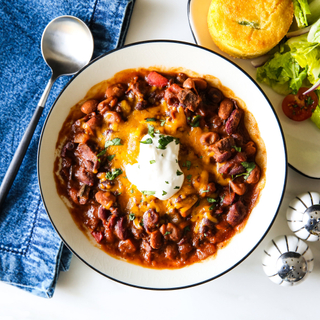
<point>157,171</point>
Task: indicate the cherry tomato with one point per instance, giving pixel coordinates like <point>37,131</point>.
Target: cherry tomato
<point>299,107</point>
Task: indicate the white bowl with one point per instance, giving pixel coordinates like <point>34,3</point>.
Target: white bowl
<point>167,54</point>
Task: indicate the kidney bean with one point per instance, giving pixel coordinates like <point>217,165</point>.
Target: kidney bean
<point>107,199</point>
<point>215,95</point>
<point>150,220</point>
<point>236,214</point>
<point>174,233</point>
<point>89,106</point>
<point>225,109</point>
<point>185,248</point>
<point>171,251</point>
<point>120,229</point>
<point>233,121</point>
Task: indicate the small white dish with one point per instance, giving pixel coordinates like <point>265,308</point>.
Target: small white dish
<point>167,55</point>
<point>302,138</point>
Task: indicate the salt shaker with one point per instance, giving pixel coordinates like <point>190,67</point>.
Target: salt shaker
<point>303,216</point>
<point>287,260</point>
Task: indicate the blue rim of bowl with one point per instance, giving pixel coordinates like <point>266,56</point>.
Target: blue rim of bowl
<point>262,237</point>
<point>195,40</point>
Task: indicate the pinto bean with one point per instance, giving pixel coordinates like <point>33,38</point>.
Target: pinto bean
<point>233,121</point>
<point>206,250</point>
<point>225,109</point>
<point>107,199</point>
<point>156,239</point>
<point>174,232</point>
<point>254,175</point>
<point>112,117</point>
<point>127,246</point>
<point>250,149</point>
<point>238,188</point>
<point>209,138</point>
<point>151,219</point>
<point>89,106</point>
<point>105,104</point>
<point>116,90</point>
<point>215,95</point>
<point>185,248</point>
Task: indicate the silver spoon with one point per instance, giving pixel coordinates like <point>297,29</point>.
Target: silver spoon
<point>66,46</point>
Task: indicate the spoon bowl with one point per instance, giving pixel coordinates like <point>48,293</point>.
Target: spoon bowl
<point>66,46</point>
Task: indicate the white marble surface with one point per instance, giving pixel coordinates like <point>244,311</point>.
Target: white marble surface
<point>243,293</point>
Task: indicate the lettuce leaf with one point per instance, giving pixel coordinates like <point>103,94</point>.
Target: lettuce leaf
<point>282,73</point>
<point>301,9</point>
<point>314,33</point>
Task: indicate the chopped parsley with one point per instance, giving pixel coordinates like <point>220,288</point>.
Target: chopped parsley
<point>111,157</point>
<point>249,166</point>
<point>151,131</point>
<point>167,182</point>
<point>189,176</point>
<point>112,175</point>
<point>150,120</point>
<point>162,122</point>
<point>195,122</point>
<point>179,173</point>
<point>101,153</point>
<point>212,207</point>
<point>211,200</point>
<point>148,141</point>
<point>113,142</point>
<point>152,161</point>
<point>164,141</point>
<point>176,187</point>
<point>164,193</point>
<point>238,149</point>
<point>204,190</point>
<point>131,216</point>
<point>131,190</point>
<point>309,101</point>
<point>148,193</point>
<point>187,164</point>
<point>167,233</point>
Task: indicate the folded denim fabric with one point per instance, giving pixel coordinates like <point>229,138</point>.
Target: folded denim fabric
<point>31,252</point>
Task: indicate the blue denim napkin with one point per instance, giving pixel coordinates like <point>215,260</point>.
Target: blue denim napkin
<point>31,253</point>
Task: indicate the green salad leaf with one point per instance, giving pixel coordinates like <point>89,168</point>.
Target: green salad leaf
<point>301,9</point>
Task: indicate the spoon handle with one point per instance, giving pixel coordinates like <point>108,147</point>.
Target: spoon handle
<point>23,145</point>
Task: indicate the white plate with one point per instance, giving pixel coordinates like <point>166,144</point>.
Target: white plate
<point>302,138</point>
<point>166,54</point>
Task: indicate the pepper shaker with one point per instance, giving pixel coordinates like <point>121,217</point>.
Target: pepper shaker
<point>287,260</point>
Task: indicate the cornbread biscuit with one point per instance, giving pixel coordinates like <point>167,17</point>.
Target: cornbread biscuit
<point>249,28</point>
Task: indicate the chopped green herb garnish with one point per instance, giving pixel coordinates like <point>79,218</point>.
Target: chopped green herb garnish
<point>151,130</point>
<point>211,200</point>
<point>197,203</point>
<point>113,142</point>
<point>179,173</point>
<point>186,229</point>
<point>177,140</point>
<point>131,216</point>
<point>212,207</point>
<point>238,149</point>
<point>131,190</point>
<point>204,190</point>
<point>167,232</point>
<point>164,141</point>
<point>187,164</point>
<point>162,122</point>
<point>152,161</point>
<point>251,24</point>
<point>148,193</point>
<point>161,154</point>
<point>189,176</point>
<point>167,182</point>
<point>195,122</point>
<point>102,153</point>
<point>176,187</point>
<point>148,141</point>
<point>249,166</point>
<point>309,101</point>
<point>112,175</point>
<point>176,160</point>
<point>150,120</point>
<point>111,157</point>
<point>164,193</point>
